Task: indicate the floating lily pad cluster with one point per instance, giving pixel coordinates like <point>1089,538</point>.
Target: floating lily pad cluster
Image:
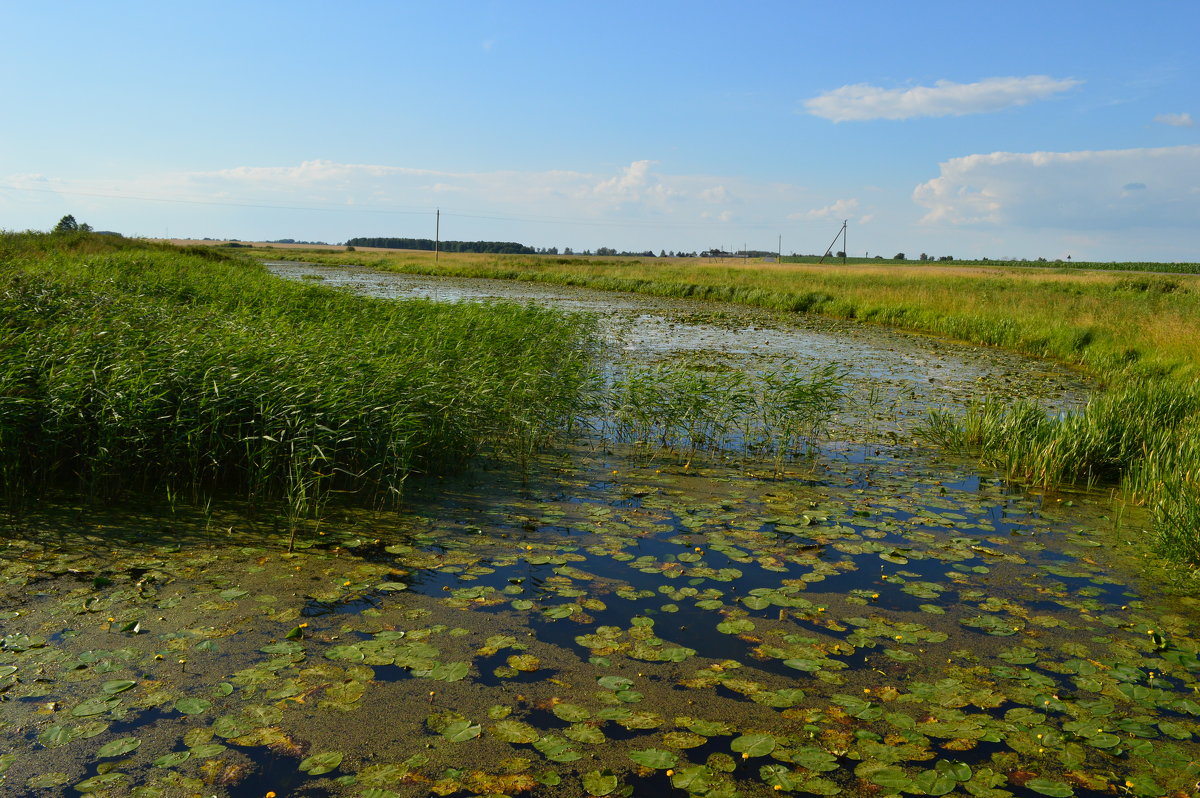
<point>653,631</point>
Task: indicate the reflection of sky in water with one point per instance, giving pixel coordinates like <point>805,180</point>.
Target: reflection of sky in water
<point>893,376</point>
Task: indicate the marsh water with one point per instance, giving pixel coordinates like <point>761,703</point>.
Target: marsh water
<point>879,619</point>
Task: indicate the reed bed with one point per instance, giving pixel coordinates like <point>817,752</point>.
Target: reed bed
<point>685,410</point>
<point>130,369</point>
<point>1146,433</point>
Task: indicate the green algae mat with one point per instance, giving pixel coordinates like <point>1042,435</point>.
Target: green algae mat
<point>864,626</point>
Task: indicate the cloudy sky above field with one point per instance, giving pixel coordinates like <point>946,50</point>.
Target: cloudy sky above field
<point>976,130</point>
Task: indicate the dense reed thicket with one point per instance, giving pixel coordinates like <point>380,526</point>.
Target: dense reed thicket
<point>689,410</point>
<point>126,367</point>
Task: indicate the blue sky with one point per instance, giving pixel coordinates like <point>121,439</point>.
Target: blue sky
<point>972,129</point>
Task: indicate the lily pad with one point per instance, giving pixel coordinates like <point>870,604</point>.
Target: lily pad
<point>173,759</point>
<point>753,744</point>
<point>654,758</point>
<point>1055,789</point>
<point>599,782</point>
<point>118,747</point>
<point>514,731</point>
<point>319,764</point>
<point>192,706</point>
<point>115,686</point>
<point>461,731</point>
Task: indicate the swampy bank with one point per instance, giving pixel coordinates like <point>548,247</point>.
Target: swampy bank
<point>621,613</point>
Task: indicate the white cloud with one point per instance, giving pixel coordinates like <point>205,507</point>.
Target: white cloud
<point>861,101</point>
<point>1086,190</point>
<point>1175,120</point>
<point>634,184</point>
<point>841,208</point>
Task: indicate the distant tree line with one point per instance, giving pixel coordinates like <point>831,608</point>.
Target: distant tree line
<point>502,247</point>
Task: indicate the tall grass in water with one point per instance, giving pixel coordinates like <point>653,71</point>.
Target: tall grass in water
<point>1146,432</point>
<point>1167,477</point>
<point>688,410</point>
<point>138,369</point>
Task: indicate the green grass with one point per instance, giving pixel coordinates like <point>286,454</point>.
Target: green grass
<point>1102,321</point>
<point>1146,433</point>
<point>689,410</point>
<point>1067,265</point>
<point>131,369</point>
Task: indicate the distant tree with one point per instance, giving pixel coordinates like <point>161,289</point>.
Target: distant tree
<point>899,256</point>
<point>841,254</point>
<point>924,256</point>
<point>67,224</point>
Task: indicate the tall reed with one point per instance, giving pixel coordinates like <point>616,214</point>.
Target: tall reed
<point>688,410</point>
<point>1146,432</point>
<point>129,369</point>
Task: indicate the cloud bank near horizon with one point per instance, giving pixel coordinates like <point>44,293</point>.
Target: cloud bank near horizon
<point>636,195</point>
<point>1085,191</point>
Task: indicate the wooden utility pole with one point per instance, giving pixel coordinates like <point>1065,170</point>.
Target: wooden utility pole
<point>437,236</point>
<point>842,235</point>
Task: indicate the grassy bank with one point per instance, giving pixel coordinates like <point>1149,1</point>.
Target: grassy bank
<point>1057,265</point>
<point>1139,334</point>
<point>1105,322</point>
<point>129,368</point>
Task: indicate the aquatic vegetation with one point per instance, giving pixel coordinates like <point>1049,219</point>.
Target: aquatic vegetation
<point>156,371</point>
<point>597,622</point>
<point>1101,321</point>
<point>661,631</point>
<point>774,414</point>
<point>1144,430</point>
<point>1140,335</point>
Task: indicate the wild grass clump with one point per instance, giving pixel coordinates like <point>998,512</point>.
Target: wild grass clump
<point>688,410</point>
<point>1145,432</point>
<point>146,370</point>
<point>1167,479</point>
